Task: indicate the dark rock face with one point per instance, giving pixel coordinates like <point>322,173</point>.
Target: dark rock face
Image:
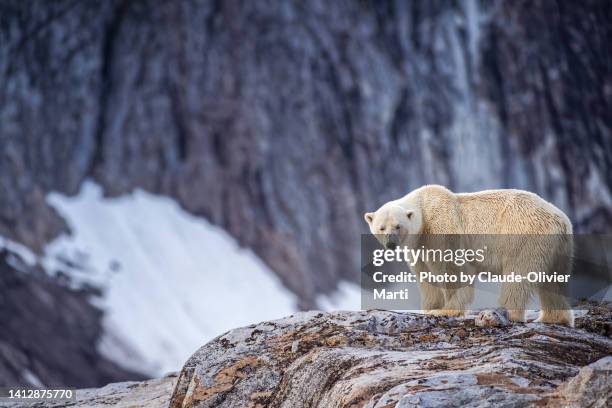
<point>284,121</point>
<point>49,333</point>
<point>388,359</point>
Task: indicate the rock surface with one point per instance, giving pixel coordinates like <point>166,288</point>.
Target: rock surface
<point>146,394</point>
<point>389,359</point>
<point>592,387</point>
<point>492,318</point>
<point>380,359</point>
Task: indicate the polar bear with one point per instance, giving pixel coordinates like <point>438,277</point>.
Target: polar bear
<point>511,215</point>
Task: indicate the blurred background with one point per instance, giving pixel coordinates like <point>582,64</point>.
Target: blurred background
<point>170,170</point>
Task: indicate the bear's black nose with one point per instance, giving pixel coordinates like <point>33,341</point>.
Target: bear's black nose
<point>391,245</point>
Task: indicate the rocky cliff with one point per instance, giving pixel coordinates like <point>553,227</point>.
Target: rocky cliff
<point>284,121</point>
<point>49,333</point>
<point>386,359</point>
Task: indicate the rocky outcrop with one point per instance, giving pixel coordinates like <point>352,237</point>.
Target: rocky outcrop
<point>384,359</point>
<point>390,359</point>
<point>282,121</point>
<point>146,394</point>
<point>592,387</point>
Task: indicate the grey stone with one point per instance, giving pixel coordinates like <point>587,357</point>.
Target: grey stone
<point>391,359</point>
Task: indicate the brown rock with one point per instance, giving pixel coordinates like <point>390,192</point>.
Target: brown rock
<point>361,359</point>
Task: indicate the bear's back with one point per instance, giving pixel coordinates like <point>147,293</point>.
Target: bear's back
<point>510,211</point>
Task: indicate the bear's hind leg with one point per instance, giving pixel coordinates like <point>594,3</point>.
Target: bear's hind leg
<point>554,304</point>
<point>514,297</point>
<point>555,308</point>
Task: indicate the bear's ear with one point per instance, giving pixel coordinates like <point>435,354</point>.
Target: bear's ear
<point>409,214</point>
<point>369,217</point>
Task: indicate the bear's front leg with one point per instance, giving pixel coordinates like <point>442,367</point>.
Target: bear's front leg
<point>455,300</point>
<point>432,297</point>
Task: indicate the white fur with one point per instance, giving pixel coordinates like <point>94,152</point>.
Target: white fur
<point>420,216</point>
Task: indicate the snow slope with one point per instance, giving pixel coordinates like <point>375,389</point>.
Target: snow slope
<point>171,281</point>
<point>346,297</point>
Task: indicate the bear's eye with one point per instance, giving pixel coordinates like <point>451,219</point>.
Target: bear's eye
<point>397,227</point>
<point>382,228</point>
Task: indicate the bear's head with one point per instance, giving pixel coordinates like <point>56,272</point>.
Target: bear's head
<point>395,225</point>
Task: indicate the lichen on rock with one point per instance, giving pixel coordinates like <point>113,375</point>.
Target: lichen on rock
<point>391,359</point>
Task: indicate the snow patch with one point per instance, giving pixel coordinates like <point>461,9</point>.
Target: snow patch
<point>346,297</point>
<point>171,281</point>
